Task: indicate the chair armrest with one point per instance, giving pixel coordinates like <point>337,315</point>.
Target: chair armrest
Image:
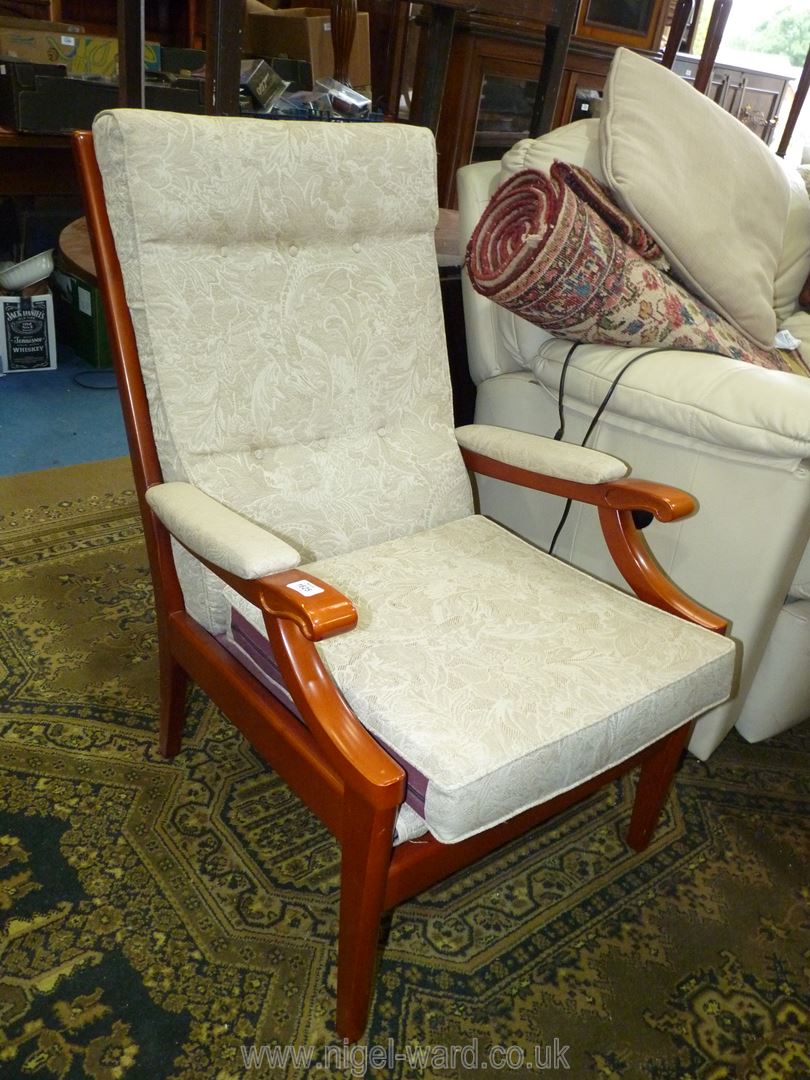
<point>567,470</point>
<point>589,476</point>
<point>250,559</point>
<point>535,453</point>
<point>299,609</point>
<point>218,534</point>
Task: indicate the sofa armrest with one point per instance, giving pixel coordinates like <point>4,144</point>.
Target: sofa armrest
<point>713,399</point>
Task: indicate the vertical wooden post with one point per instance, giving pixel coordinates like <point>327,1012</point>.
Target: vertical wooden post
<point>224,22</point>
<point>680,20</point>
<point>714,35</point>
<point>344,22</point>
<point>558,39</point>
<point>796,107</point>
<point>131,34</point>
<point>434,59</point>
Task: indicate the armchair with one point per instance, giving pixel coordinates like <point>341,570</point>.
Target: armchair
<point>411,669</point>
<point>733,434</point>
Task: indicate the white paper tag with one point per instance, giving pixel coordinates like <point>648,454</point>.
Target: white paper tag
<point>305,588</point>
<point>67,40</point>
<point>327,26</point>
<point>785,340</point>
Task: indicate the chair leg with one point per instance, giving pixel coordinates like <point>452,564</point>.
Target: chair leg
<point>173,684</point>
<point>365,857</point>
<point>654,781</point>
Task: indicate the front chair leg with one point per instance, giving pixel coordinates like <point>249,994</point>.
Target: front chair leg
<point>173,684</point>
<point>654,781</point>
<point>365,858</point>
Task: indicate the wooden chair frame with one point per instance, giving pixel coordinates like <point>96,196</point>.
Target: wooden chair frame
<point>334,765</point>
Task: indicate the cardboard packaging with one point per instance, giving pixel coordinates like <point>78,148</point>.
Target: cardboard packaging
<point>27,335</point>
<point>12,22</point>
<point>80,316</point>
<point>81,54</point>
<point>306,34</point>
<point>40,98</point>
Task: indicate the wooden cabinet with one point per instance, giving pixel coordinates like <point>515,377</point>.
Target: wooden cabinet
<point>493,72</point>
<point>754,97</point>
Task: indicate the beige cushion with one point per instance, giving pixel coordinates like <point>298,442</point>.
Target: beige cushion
<point>503,675</point>
<point>234,237</point>
<point>577,143</point>
<point>794,262</point>
<point>711,193</point>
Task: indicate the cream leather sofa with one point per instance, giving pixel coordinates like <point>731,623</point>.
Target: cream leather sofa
<point>734,435</point>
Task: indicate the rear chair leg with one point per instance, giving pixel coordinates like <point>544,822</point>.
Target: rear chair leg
<point>654,782</point>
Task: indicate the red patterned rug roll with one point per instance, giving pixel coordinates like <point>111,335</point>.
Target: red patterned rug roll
<point>545,253</point>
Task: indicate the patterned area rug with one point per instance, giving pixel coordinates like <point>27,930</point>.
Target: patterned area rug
<point>177,920</point>
<point>554,249</point>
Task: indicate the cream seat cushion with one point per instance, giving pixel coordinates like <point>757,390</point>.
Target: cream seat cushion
<point>711,193</point>
<point>463,657</point>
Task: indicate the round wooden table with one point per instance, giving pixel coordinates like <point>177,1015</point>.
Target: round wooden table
<point>74,247</point>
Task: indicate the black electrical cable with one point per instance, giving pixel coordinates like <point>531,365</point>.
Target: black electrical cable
<point>642,518</point>
<point>561,393</point>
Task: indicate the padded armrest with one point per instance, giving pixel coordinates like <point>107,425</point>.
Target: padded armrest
<point>218,534</point>
<point>536,453</point>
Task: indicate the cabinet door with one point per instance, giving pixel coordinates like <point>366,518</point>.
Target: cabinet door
<point>758,102</point>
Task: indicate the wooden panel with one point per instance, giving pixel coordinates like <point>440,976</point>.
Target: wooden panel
<point>544,10</point>
<point>36,165</point>
<point>166,20</point>
<point>603,20</point>
<point>473,59</point>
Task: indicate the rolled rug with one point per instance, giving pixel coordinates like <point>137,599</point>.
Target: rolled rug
<point>546,254</point>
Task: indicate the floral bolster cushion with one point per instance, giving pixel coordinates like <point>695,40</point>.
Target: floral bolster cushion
<point>556,250</point>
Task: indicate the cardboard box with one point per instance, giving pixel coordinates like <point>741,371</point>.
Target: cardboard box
<point>80,316</point>
<point>11,22</point>
<point>27,336</point>
<point>81,54</point>
<point>306,34</point>
<point>40,98</point>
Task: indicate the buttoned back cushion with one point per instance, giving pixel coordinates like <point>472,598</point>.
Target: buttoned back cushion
<point>283,285</point>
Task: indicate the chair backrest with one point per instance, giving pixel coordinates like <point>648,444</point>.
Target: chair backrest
<point>284,293</point>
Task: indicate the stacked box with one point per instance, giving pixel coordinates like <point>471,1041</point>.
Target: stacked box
<point>80,315</point>
<point>40,98</point>
<point>81,54</point>
<point>306,34</point>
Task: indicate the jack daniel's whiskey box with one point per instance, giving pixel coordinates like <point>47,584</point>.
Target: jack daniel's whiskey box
<point>27,338</point>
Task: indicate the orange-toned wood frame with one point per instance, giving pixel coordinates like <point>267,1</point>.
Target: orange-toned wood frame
<point>330,760</point>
